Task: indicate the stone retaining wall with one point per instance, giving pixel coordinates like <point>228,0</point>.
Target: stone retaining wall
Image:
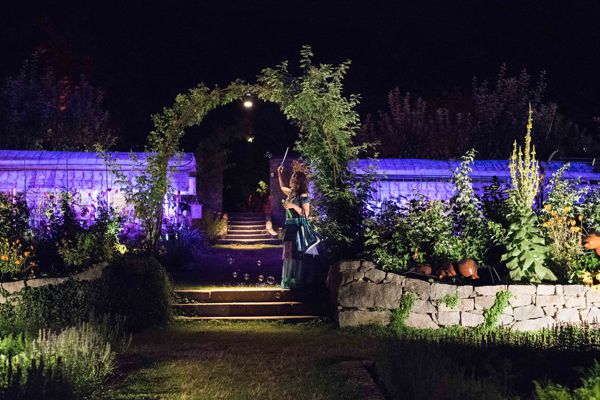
<point>90,274</point>
<point>363,294</point>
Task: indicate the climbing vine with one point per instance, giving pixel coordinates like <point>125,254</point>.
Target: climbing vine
<point>327,122</point>
<point>492,314</point>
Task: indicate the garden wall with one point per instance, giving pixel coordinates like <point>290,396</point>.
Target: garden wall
<point>90,274</point>
<point>363,294</point>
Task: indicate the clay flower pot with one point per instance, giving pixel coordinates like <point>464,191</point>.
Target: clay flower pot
<point>447,271</point>
<point>592,242</point>
<point>423,269</point>
<point>468,268</point>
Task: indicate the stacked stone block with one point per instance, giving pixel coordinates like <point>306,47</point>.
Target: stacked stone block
<point>362,294</point>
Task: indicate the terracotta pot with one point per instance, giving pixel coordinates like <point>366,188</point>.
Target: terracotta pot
<point>468,268</point>
<point>592,242</point>
<point>447,271</point>
<point>423,269</point>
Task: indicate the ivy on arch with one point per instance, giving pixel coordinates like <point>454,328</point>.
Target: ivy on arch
<point>327,121</point>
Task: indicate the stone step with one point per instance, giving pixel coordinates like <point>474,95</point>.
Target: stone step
<point>255,224</point>
<point>285,318</point>
<point>247,309</point>
<point>249,241</point>
<point>239,295</point>
<point>246,214</point>
<point>248,236</point>
<point>245,228</point>
<point>246,217</point>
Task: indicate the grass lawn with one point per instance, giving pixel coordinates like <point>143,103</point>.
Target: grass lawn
<point>241,360</point>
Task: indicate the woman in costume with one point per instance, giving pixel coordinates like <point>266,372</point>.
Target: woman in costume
<point>298,268</point>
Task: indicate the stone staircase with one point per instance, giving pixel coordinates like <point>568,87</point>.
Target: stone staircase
<point>248,304</point>
<point>248,228</point>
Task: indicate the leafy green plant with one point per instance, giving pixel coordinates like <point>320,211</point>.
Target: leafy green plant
<point>385,238</point>
<point>472,235</point>
<point>428,223</point>
<point>526,251</point>
<point>14,217</point>
<point>214,226</point>
<point>492,314</point>
<point>561,219</point>
<point>182,248</point>
<point>591,211</point>
<point>449,300</point>
<point>400,314</point>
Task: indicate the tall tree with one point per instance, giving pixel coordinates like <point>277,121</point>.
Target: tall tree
<point>40,110</point>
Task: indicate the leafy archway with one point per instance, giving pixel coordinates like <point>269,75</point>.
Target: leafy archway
<point>327,122</point>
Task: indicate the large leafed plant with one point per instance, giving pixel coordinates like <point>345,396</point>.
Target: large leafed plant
<point>526,251</point>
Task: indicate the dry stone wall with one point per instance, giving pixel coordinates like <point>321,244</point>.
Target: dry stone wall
<point>362,294</point>
<point>90,274</point>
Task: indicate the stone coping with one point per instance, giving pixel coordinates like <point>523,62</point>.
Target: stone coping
<point>91,274</point>
<point>362,294</point>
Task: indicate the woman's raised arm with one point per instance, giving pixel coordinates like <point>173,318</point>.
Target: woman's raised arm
<point>286,190</point>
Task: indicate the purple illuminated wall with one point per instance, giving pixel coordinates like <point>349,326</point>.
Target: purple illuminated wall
<point>86,175</point>
<point>433,178</point>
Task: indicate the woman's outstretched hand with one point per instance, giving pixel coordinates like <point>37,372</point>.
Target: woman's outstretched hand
<point>280,169</point>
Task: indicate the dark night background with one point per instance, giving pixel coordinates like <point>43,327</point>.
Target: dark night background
<point>143,53</point>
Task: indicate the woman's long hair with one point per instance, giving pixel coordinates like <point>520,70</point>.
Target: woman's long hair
<point>298,184</point>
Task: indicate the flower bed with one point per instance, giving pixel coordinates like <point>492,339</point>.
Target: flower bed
<point>363,294</point>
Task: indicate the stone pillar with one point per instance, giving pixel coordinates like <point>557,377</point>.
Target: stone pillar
<point>209,182</point>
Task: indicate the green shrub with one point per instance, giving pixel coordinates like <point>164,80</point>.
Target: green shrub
<point>590,388</point>
<point>134,289</point>
<point>181,248</point>
<point>475,364</point>
<point>138,289</point>
<point>85,356</point>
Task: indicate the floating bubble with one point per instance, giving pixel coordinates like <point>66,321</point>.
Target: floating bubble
<point>277,295</point>
<point>246,277</point>
<point>234,274</point>
<point>258,263</point>
<point>268,155</point>
<point>271,280</point>
<point>261,278</point>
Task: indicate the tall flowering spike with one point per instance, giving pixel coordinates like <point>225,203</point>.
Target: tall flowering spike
<point>524,171</point>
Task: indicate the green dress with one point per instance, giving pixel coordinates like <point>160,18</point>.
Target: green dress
<point>299,270</point>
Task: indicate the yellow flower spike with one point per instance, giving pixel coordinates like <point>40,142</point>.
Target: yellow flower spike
<point>547,207</point>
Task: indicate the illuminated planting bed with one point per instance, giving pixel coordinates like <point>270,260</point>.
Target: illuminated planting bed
<point>39,174</point>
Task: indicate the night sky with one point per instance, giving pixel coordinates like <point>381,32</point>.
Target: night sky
<point>144,53</point>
